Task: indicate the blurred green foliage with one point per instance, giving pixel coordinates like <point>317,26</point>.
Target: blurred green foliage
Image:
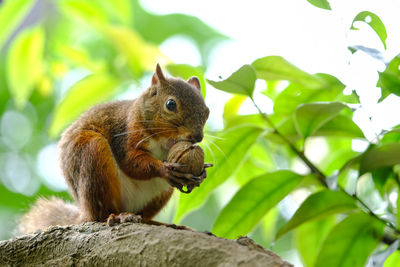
<point>60,58</point>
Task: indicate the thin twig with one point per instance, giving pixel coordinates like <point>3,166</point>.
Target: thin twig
<point>300,154</point>
<point>396,177</point>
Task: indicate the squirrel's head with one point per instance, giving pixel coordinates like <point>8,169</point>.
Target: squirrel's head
<point>176,107</point>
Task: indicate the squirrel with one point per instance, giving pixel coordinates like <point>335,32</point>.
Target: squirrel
<point>113,157</point>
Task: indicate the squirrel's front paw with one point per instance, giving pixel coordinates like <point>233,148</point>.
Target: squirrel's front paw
<point>123,217</point>
<point>180,179</point>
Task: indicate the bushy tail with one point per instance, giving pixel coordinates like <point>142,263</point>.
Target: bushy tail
<point>48,212</point>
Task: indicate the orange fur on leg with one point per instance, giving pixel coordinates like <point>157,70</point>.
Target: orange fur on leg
<point>92,176</point>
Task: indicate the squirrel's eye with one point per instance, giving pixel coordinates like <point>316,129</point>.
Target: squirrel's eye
<point>171,105</point>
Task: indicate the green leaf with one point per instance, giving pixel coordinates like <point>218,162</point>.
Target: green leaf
<point>253,201</point>
<point>393,260</point>
<point>79,57</point>
<point>352,49</point>
<point>117,10</point>
<point>398,209</point>
<point>310,117</point>
<point>228,152</point>
<point>186,71</point>
<point>158,28</point>
<point>380,177</point>
<point>273,68</point>
<point>392,136</point>
<point>85,11</point>
<point>389,80</point>
<point>25,64</point>
<point>258,161</point>
<point>89,91</point>
<point>268,226</point>
<point>240,82</point>
<point>379,156</point>
<point>374,21</point>
<point>136,53</point>
<point>339,153</point>
<point>351,241</point>
<point>295,94</point>
<point>309,237</point>
<point>318,206</point>
<point>272,90</point>
<point>389,84</point>
<point>340,126</point>
<point>11,14</point>
<point>232,107</point>
<point>239,120</point>
<point>324,4</point>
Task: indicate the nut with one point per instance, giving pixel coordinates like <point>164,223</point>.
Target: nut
<point>189,155</point>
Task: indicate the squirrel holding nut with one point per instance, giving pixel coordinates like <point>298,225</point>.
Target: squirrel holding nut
<point>114,157</point>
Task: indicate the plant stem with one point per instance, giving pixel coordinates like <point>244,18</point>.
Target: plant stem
<point>320,175</point>
<point>387,223</point>
<point>300,154</point>
<point>396,177</point>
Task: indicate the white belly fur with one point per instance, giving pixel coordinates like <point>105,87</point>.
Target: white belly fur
<point>136,194</point>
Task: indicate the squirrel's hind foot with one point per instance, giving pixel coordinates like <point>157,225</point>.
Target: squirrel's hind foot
<point>123,217</point>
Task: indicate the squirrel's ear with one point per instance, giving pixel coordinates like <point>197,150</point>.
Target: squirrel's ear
<point>158,76</point>
<point>195,82</point>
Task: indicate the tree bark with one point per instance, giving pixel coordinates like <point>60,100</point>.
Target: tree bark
<point>128,244</point>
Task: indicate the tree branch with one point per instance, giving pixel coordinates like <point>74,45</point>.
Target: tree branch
<point>130,244</point>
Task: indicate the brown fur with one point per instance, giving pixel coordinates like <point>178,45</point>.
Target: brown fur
<point>116,136</point>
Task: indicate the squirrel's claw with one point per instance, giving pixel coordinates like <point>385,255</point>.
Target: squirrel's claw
<point>208,165</point>
<point>184,178</point>
<point>171,165</point>
<point>203,175</point>
<point>179,179</point>
<point>187,176</point>
<point>123,217</point>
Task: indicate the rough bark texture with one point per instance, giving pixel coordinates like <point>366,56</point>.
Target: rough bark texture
<point>95,244</point>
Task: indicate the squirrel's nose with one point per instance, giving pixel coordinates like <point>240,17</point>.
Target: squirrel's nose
<point>197,137</point>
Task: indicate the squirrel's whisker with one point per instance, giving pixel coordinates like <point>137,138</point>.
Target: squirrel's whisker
<point>215,137</point>
<point>220,150</point>
<point>166,123</point>
<point>139,130</point>
<point>144,139</point>
<point>211,152</point>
